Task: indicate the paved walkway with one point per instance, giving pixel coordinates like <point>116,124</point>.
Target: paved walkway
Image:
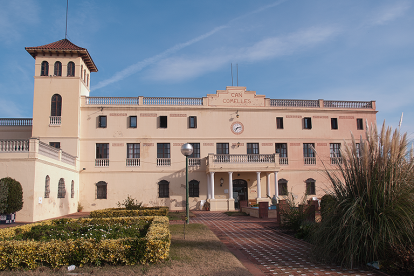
<point>265,250</point>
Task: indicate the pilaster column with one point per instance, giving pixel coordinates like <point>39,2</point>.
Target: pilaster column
<point>230,185</point>
<point>212,184</point>
<point>258,185</point>
<point>276,186</point>
<point>208,186</point>
<point>268,184</point>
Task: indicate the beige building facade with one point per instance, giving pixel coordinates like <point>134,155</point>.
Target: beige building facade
<point>98,150</point>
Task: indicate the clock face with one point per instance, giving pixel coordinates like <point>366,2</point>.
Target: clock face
<point>237,128</point>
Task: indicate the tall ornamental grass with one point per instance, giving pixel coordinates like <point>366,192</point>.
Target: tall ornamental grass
<point>372,208</point>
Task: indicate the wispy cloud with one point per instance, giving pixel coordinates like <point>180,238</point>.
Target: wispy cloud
<point>176,69</point>
<point>388,13</point>
<point>132,69</point>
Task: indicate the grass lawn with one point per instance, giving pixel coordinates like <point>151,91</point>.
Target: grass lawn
<point>200,253</point>
<point>179,215</point>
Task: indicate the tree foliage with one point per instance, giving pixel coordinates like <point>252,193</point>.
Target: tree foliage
<point>11,196</point>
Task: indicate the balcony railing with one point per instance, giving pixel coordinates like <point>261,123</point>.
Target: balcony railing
<point>16,121</point>
<point>14,145</point>
<point>347,104</point>
<point>283,161</point>
<point>294,103</point>
<point>55,120</point>
<point>244,158</point>
<point>336,160</point>
<point>163,162</point>
<point>194,161</point>
<point>172,101</point>
<point>68,159</point>
<point>102,162</point>
<point>112,100</point>
<point>133,162</point>
<point>310,160</point>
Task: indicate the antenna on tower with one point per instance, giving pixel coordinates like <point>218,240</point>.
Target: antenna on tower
<point>67,7</point>
<point>231,69</point>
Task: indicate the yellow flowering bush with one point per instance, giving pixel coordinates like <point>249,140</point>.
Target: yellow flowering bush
<point>122,212</point>
<point>152,248</point>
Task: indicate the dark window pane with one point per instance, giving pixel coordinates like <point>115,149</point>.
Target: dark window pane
<point>55,144</point>
<point>163,121</point>
<point>101,190</point>
<point>133,150</point>
<point>279,122</point>
<point>61,188</point>
<point>58,68</point>
<point>193,188</point>
<point>334,123</point>
<point>196,150</point>
<point>252,148</point>
<point>102,121</point>
<point>307,123</point>
<point>71,69</point>
<point>44,69</point>
<point>360,125</point>
<point>102,150</point>
<point>222,148</point>
<point>56,105</point>
<point>282,187</point>
<point>193,122</point>
<point>308,150</point>
<point>281,148</point>
<point>163,150</point>
<point>163,189</point>
<point>133,121</point>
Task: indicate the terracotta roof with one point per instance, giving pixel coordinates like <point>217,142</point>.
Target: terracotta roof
<point>64,46</point>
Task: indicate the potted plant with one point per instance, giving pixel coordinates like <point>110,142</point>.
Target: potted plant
<point>11,199</point>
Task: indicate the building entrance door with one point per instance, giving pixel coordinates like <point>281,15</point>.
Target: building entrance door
<point>239,192</point>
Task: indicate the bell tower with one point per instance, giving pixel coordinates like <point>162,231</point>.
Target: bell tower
<point>62,76</point>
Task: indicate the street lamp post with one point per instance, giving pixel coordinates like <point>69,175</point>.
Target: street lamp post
<point>186,150</point>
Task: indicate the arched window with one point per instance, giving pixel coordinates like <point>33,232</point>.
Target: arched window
<point>282,186</point>
<point>72,189</point>
<point>61,188</point>
<point>163,189</point>
<point>44,69</point>
<point>81,71</point>
<point>193,188</point>
<point>58,68</point>
<point>310,186</point>
<point>101,190</point>
<point>87,79</point>
<point>71,69</point>
<point>56,108</point>
<point>47,186</point>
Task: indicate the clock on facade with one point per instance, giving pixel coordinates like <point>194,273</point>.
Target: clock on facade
<point>237,127</point>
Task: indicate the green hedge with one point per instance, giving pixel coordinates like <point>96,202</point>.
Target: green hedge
<point>122,212</point>
<point>129,251</point>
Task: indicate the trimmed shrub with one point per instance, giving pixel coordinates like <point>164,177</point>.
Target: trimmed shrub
<point>30,254</point>
<point>122,212</point>
<point>14,196</point>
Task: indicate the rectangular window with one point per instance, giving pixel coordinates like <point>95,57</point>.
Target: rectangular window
<point>163,189</point>
<point>192,122</point>
<point>310,187</point>
<point>222,148</point>
<point>133,150</point>
<point>281,148</point>
<point>102,122</point>
<point>196,150</point>
<point>335,150</point>
<point>193,188</point>
<point>282,187</point>
<point>163,150</point>
<point>279,122</point>
<point>307,123</point>
<point>133,121</point>
<point>163,121</point>
<point>308,150</point>
<point>252,148</point>
<point>360,124</point>
<point>55,144</point>
<point>334,123</point>
<point>102,150</point>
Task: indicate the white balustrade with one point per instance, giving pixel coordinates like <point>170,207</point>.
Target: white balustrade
<point>172,101</point>
<point>310,160</point>
<point>16,121</point>
<point>347,104</point>
<point>55,120</point>
<point>294,103</point>
<point>283,161</point>
<point>68,159</point>
<point>336,160</point>
<point>163,162</point>
<point>244,158</point>
<point>194,161</point>
<point>133,162</point>
<point>102,162</point>
<point>112,101</point>
<point>14,145</point>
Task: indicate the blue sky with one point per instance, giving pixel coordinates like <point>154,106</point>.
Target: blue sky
<point>297,49</point>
